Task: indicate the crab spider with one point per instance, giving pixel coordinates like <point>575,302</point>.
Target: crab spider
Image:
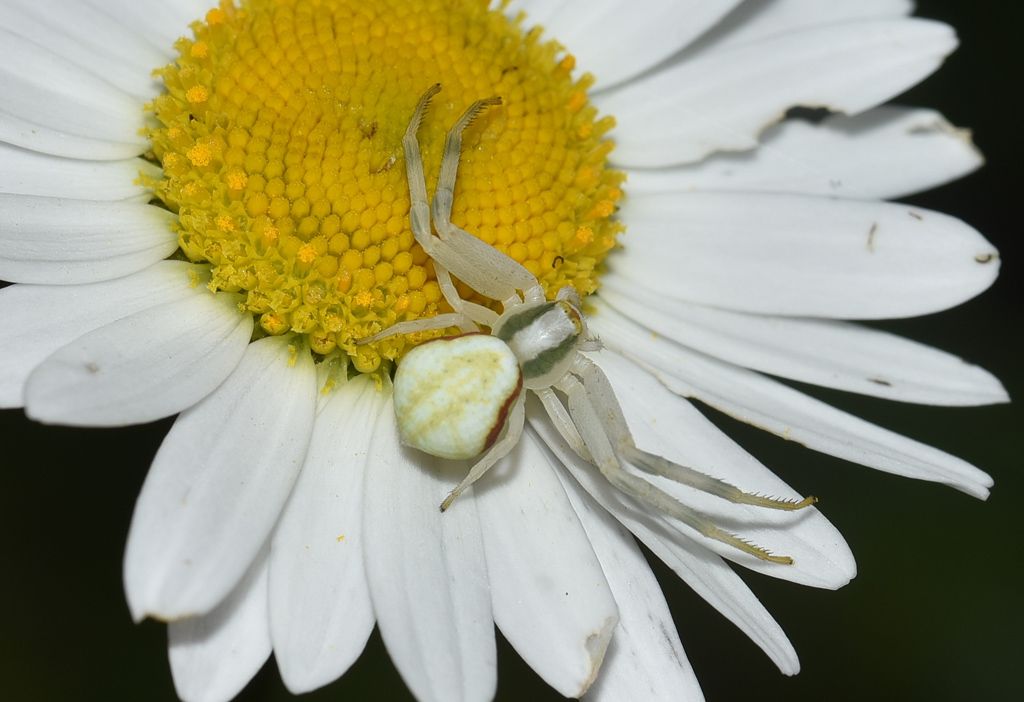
<point>461,397</point>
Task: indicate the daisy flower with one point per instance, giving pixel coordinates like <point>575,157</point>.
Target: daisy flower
<point>215,239</point>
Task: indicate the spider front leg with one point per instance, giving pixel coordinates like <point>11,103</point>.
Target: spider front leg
<point>483,268</point>
<point>419,215</point>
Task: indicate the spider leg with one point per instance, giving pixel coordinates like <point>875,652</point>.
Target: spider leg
<point>419,212</point>
<point>441,321</point>
<point>600,391</point>
<point>479,265</point>
<point>563,422</point>
<point>591,428</point>
<point>419,208</point>
<point>477,313</point>
<point>500,448</point>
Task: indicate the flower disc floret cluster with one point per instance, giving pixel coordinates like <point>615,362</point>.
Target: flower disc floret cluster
<point>280,137</point>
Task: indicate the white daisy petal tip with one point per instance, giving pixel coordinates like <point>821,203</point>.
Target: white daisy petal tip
<point>826,353</point>
<point>213,657</point>
<point>840,565</point>
<point>550,598</point>
<point>765,253</point>
<point>821,557</point>
<point>645,652</point>
<point>788,413</point>
<point>42,319</point>
<point>596,645</point>
<point>149,365</point>
<point>147,602</point>
<point>979,484</point>
<point>885,153</point>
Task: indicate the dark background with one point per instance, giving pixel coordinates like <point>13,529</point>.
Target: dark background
<point>935,613</point>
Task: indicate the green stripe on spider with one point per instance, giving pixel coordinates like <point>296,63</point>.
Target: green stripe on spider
<point>546,360</point>
<point>517,322</point>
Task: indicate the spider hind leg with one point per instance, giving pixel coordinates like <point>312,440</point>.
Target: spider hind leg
<point>600,392</point>
<point>513,432</point>
<point>599,420</point>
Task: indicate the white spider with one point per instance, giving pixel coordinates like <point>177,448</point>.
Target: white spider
<point>463,396</point>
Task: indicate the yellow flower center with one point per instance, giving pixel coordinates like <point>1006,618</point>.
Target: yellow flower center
<point>280,135</point>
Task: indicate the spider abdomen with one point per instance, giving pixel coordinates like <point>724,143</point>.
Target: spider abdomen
<point>452,395</point>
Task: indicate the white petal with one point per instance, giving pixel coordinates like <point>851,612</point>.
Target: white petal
<point>645,659</point>
<point>52,240</point>
<point>551,599</point>
<point>885,153</point>
<point>87,39</point>
<point>152,364</point>
<point>823,352</point>
<point>31,173</point>
<point>39,319</point>
<point>757,20</point>
<point>427,574</point>
<point>642,32</point>
<point>218,484</point>
<point>668,426</point>
<point>769,405</point>
<point>797,255</point>
<point>320,609</point>
<point>708,575</point>
<point>160,23</point>
<point>96,30</point>
<point>214,656</point>
<point>33,135</point>
<point>724,100</point>
<point>56,92</point>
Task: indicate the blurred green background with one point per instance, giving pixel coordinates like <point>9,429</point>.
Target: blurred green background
<point>934,614</point>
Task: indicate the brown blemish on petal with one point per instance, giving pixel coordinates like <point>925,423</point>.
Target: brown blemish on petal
<point>941,126</point>
<point>916,215</point>
<point>597,646</point>
<point>871,236</point>
<point>670,643</point>
<point>985,258</point>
